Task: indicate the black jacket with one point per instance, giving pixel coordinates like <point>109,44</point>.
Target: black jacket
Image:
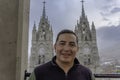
<point>51,71</point>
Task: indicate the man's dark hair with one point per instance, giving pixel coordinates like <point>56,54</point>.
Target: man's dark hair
<point>66,31</point>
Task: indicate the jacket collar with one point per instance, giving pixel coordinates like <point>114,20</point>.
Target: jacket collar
<point>76,62</point>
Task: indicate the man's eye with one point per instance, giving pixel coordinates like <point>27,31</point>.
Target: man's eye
<point>61,43</point>
<point>72,45</point>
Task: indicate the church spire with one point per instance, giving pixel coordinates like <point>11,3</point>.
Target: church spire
<point>83,12</point>
<point>44,13</point>
<point>34,27</point>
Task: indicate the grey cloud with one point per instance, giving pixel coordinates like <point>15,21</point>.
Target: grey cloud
<point>110,33</point>
<point>105,19</point>
<point>105,16</point>
<point>109,42</point>
<point>108,8</point>
<point>110,0</point>
<point>108,36</point>
<point>115,10</point>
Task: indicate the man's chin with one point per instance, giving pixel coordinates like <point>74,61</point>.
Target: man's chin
<point>66,61</point>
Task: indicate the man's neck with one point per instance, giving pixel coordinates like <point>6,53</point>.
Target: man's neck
<point>64,65</point>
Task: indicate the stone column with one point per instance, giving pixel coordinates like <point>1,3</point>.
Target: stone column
<point>14,22</point>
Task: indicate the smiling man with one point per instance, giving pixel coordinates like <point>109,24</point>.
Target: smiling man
<point>64,65</point>
<point>66,47</point>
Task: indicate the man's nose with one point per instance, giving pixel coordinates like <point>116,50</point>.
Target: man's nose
<point>66,47</point>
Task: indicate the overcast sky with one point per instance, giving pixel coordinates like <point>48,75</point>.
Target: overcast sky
<point>65,13</point>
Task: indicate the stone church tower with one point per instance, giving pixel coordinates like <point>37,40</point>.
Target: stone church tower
<point>42,42</point>
<point>88,53</point>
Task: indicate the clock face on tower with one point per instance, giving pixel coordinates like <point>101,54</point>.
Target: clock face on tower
<point>43,26</point>
<point>41,51</point>
<point>86,50</point>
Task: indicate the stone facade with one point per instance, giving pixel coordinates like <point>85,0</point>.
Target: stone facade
<point>88,52</point>
<point>42,42</point>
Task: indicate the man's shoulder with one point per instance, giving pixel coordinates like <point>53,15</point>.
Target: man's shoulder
<point>40,70</point>
<point>85,71</point>
<point>84,68</point>
<point>43,66</point>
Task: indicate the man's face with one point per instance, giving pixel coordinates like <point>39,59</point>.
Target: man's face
<point>66,48</point>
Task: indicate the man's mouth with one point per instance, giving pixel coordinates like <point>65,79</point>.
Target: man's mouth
<point>66,54</point>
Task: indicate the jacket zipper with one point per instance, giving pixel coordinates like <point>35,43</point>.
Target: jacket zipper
<point>66,76</point>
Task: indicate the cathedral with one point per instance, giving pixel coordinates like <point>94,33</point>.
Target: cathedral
<point>88,53</point>
<point>42,42</point>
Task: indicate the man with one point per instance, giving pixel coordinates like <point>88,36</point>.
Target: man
<point>64,65</point>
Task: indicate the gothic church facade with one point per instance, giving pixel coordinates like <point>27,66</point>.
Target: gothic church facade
<point>42,42</point>
<point>88,52</point>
